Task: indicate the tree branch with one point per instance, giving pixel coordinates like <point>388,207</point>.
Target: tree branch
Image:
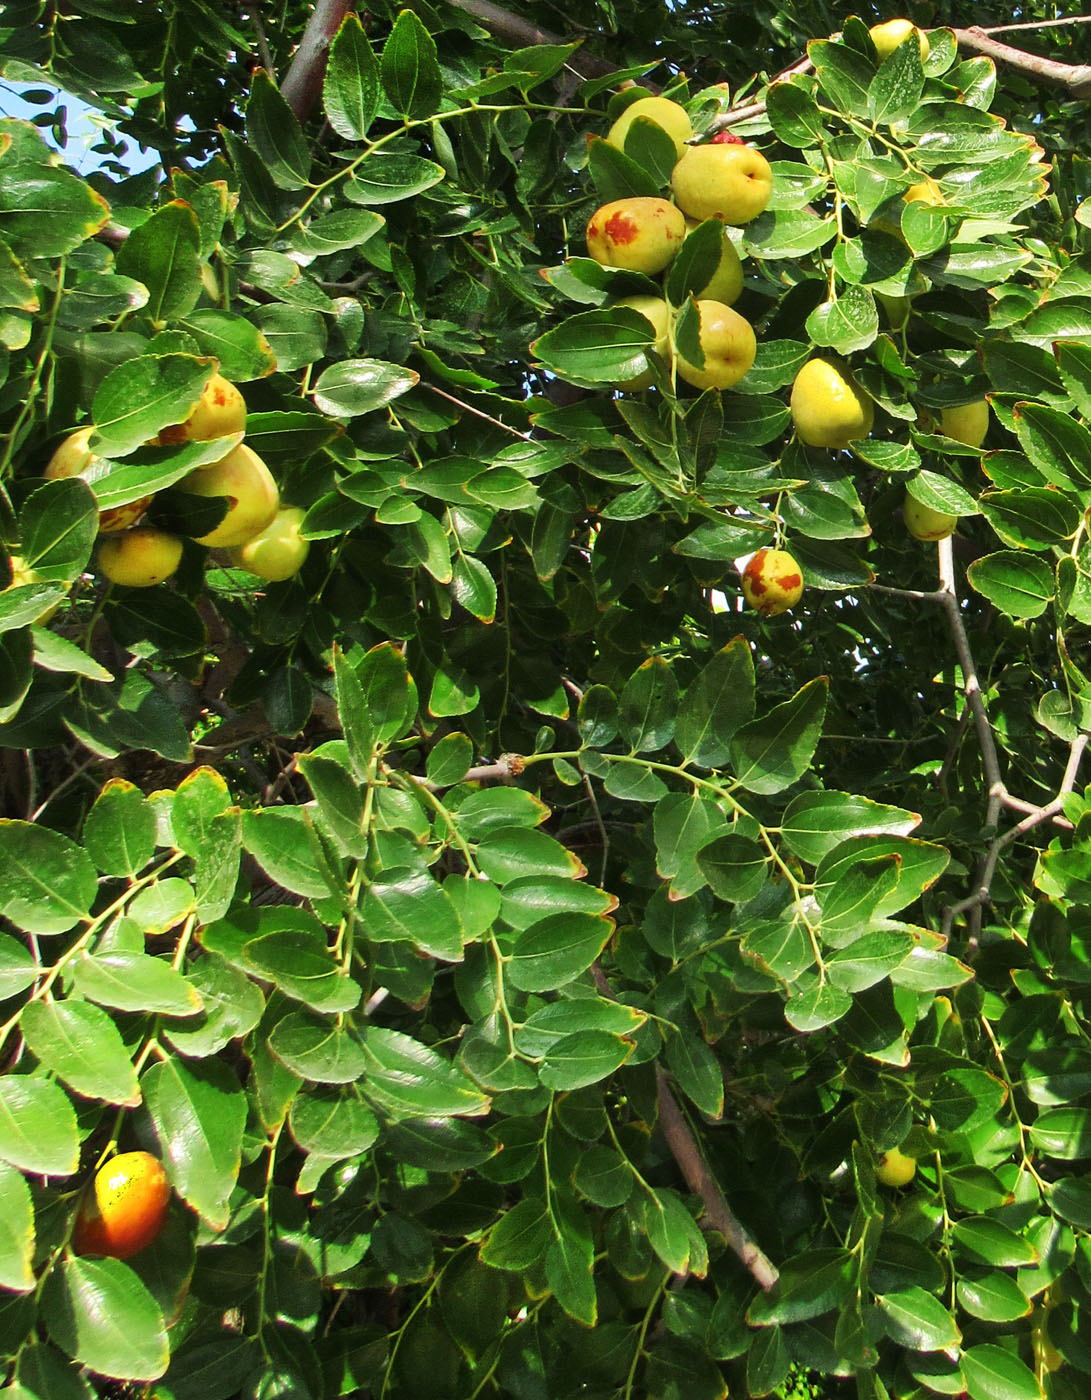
<point>1074,76</point>
<point>517,30</point>
<point>702,1183</point>
<point>302,85</point>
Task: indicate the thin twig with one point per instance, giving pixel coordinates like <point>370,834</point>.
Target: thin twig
<point>699,1178</point>
<point>469,408</point>
<point>263,43</point>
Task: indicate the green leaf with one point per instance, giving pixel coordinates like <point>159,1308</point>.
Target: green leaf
<point>617,175</point>
<point>994,1297</point>
<point>647,706</point>
<point>698,1072</point>
<point>519,1238</point>
<point>994,1373</point>
<point>37,1126</point>
<point>1031,518</point>
<point>734,866</point>
<point>134,982</point>
<point>448,762</point>
<point>810,1285</point>
<point>274,134</point>
<point>410,70</point>
<point>793,115</point>
<point>16,1232</point>
<point>353,711</point>
<point>80,1044</point>
<point>1064,1133</point>
<point>917,1320</point>
<point>671,1231</point>
<point>49,882</point>
<point>597,347</point>
<point>145,394</point>
<point>815,822</point>
<point>895,91</point>
<point>164,254</point>
<point>716,705</point>
<point>100,1314</point>
<point>57,524</point>
<point>1018,583</point>
<point>992,1242</point>
<point>574,1061</point>
<point>569,1264</point>
<point>405,1079</point>
<point>557,949</point>
<point>407,905</point>
<point>45,210</point>
<point>1057,444</point>
<point>198,1111</point>
<point>354,387</point>
<point>350,88</point>
<point>770,753</point>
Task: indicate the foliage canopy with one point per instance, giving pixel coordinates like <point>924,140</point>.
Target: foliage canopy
<point>520,955</point>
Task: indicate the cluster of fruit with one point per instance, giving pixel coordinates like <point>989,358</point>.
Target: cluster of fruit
<point>727,180</point>
<point>259,533</point>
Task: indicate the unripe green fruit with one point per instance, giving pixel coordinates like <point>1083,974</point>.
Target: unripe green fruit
<point>829,408</point>
<point>887,37</point>
<point>895,1168</point>
<point>278,551</point>
<point>140,557</point>
<point>671,116</point>
<point>728,182</point>
<point>966,422</point>
<point>729,346</point>
<point>924,523</point>
<point>247,483</point>
<point>655,311</point>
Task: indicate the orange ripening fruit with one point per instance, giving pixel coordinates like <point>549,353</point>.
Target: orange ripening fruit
<point>125,1208</point>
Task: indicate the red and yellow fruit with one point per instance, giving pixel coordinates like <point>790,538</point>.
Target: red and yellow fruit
<point>772,582</point>
<point>640,234</point>
<point>220,410</point>
<point>125,1208</point>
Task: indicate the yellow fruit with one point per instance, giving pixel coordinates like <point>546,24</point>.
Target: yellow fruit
<point>640,234</point>
<point>729,346</point>
<point>656,311</point>
<point>895,1168</point>
<point>140,557</point>
<point>725,284</point>
<point>924,523</point>
<point>966,422</point>
<point>887,37</point>
<point>925,191</point>
<point>126,1208</point>
<point>733,183</point>
<point>671,116</point>
<point>278,551</point>
<point>220,410</point>
<point>247,483</point>
<point>829,408</point>
<point>772,582</point>
<point>75,458</point>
